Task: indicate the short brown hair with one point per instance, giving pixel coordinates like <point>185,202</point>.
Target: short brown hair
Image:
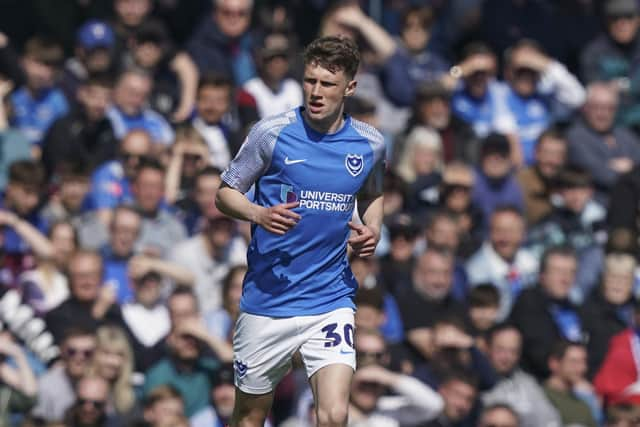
<point>28,173</point>
<point>160,393</point>
<point>44,50</point>
<point>333,53</point>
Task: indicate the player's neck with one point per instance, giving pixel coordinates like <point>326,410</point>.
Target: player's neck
<point>331,124</point>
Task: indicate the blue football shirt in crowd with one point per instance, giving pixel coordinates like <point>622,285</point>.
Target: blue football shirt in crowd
<point>305,271</point>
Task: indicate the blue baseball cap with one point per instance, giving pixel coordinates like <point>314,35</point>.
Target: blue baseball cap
<point>94,34</point>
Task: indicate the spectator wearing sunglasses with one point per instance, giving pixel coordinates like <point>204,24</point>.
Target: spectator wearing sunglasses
<point>90,407</point>
<point>110,184</point>
<point>56,386</point>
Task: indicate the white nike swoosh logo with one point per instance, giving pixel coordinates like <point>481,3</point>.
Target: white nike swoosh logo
<point>293,162</point>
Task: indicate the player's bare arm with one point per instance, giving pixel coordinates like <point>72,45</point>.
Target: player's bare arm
<point>276,219</point>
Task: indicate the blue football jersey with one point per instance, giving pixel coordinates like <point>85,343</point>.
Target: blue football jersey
<point>305,271</point>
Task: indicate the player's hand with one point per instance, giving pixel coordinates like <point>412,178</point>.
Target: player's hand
<point>363,241</point>
<point>279,219</point>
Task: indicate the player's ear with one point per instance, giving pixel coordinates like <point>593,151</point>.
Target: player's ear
<point>351,88</point>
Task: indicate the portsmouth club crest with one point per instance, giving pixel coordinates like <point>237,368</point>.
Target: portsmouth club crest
<point>354,164</point>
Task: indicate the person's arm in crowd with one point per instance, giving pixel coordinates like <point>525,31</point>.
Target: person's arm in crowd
<point>140,265</point>
<point>174,170</point>
<point>38,242</point>
<point>411,396</point>
<point>196,328</point>
<point>381,42</point>
<point>554,77</point>
<point>20,378</point>
<point>5,88</point>
<point>187,72</point>
<point>106,298</point>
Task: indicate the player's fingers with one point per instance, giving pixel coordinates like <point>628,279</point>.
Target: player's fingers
<point>355,227</point>
<point>358,239</point>
<point>290,205</point>
<point>283,220</point>
<point>276,229</point>
<point>290,214</point>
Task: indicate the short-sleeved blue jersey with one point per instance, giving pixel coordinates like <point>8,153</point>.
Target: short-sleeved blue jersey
<point>305,271</point>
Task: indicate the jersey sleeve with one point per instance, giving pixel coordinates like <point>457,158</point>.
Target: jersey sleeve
<point>254,157</point>
<point>373,185</point>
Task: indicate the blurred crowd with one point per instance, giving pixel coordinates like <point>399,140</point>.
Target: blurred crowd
<point>505,291</point>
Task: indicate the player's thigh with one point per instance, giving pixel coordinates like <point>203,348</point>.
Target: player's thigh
<point>251,410</point>
<point>331,385</point>
<point>329,357</point>
<point>262,351</point>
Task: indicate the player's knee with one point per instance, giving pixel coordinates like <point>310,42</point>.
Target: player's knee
<point>333,415</point>
<point>249,417</point>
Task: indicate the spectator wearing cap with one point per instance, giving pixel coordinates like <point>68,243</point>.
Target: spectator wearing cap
<point>38,103</point>
<point>597,144</point>
<point>129,110</point>
<point>223,397</point>
<point>222,42</point>
<point>93,54</point>
<point>609,308</point>
<point>85,135</point>
<point>611,57</point>
<point>540,91</point>
<point>537,180</point>
<point>432,108</point>
<point>412,61</point>
<point>175,76</point>
<point>274,91</point>
<point>495,181</point>
<point>577,220</point>
<point>502,260</point>
<point>209,255</point>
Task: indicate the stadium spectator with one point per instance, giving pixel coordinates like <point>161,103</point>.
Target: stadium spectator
<point>544,314</point>
<point>70,200</point>
<point>56,387</point>
<point>221,322</point>
<point>198,205</point>
<point>504,352</point>
<point>597,144</point>
<point>537,181</point>
<point>175,76</point>
<point>215,119</point>
<point>502,260</point>
<point>93,53</point>
<point>38,103</point>
<point>567,388</point>
<point>483,304</point>
<point>432,108</point>
<point>84,135</point>
<point>576,220</point>
<point>222,42</point>
<point>162,406</point>
<point>19,384</point>
<point>160,228</point>
<point>273,90</point>
<point>14,145</point>
<point>499,414</point>
<point>90,303</point>
<point>90,407</point>
<point>609,57</point>
<point>412,62</point>
<point>129,110</point>
<point>459,391</point>
<point>540,90</point>
<point>495,182</point>
<point>111,182</point>
<point>609,309</point>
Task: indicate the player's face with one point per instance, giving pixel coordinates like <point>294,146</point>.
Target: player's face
<point>324,93</point>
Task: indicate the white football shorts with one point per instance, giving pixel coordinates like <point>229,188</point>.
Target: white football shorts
<point>263,346</point>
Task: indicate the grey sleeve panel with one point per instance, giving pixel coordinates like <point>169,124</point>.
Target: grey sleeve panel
<point>373,186</point>
<point>254,157</point>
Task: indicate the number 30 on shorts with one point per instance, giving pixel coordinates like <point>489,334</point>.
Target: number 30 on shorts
<point>333,336</point>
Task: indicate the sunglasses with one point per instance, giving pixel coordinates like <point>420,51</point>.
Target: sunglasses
<point>73,352</point>
<point>370,356</point>
<point>234,13</point>
<point>97,404</point>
